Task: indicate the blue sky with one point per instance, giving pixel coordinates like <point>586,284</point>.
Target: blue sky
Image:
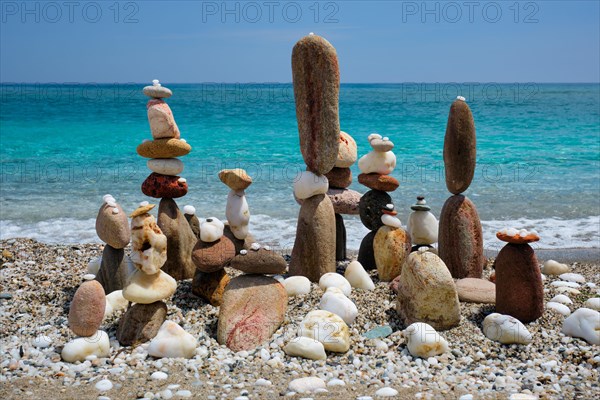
<point>377,41</point>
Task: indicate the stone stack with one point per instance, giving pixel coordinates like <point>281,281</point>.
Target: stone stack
<point>112,228</point>
<point>460,236</point>
<point>316,80</point>
<point>519,287</point>
<point>340,178</point>
<point>422,225</point>
<point>165,183</point>
<point>148,285</point>
<point>387,245</point>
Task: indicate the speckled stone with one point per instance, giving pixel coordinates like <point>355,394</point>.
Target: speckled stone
<point>370,206</point>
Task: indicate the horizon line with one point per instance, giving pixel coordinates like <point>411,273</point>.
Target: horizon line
<point>290,83</point>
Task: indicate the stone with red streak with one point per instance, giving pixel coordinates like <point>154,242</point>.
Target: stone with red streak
<point>252,309</point>
<point>160,186</point>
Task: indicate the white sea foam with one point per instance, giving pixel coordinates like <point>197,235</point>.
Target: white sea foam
<point>279,233</point>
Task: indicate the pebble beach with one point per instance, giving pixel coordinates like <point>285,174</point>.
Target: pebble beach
<point>38,281</point>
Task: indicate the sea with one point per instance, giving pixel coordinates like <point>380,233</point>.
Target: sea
<point>64,146</point>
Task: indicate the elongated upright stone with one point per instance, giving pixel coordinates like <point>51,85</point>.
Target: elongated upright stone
<point>316,79</point>
<point>519,287</point>
<point>113,271</point>
<point>314,249</point>
<point>366,253</point>
<point>459,147</point>
<point>180,240</point>
<point>340,238</point>
<point>460,238</point>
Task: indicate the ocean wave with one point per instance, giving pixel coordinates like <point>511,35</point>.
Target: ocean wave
<point>280,233</point>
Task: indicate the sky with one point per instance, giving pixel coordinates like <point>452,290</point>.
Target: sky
<point>252,41</point>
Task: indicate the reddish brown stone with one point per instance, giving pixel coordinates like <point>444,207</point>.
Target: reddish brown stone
<point>252,309</point>
<point>460,145</point>
<point>518,239</point>
<point>519,288</point>
<point>211,257</point>
<point>339,178</point>
<point>159,186</point>
<point>316,78</point>
<point>210,286</point>
<point>87,309</point>
<point>261,261</point>
<point>141,323</point>
<point>460,238</point>
<point>385,183</point>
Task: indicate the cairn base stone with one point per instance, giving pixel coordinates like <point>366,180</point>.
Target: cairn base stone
<point>141,323</point>
<point>340,238</point>
<point>366,252</point>
<point>210,286</point>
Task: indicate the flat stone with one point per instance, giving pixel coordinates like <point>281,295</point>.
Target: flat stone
<point>316,79</point>
<point>157,92</point>
<point>141,323</point>
<point>339,178</point>
<point>460,145</point>
<point>260,261</point>
<point>385,183</point>
<point>253,308</point>
<point>165,166</point>
<point>159,186</point>
<point>378,332</point>
<point>473,290</point>
<point>210,286</point>
<point>163,148</point>
<point>235,179</point>
<point>211,257</point>
<point>146,289</point>
<point>344,201</point>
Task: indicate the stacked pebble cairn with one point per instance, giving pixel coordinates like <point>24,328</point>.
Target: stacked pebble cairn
<point>387,245</point>
<point>460,236</point>
<point>316,80</point>
<point>164,182</point>
<point>519,287</point>
<point>340,178</point>
<point>422,225</point>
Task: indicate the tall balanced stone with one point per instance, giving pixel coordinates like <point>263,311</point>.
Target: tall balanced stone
<point>114,269</point>
<point>314,249</point>
<point>459,147</point>
<point>180,240</point>
<point>461,238</point>
<point>316,78</point>
<point>519,287</point>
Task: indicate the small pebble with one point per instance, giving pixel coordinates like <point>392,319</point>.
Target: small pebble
<point>158,375</point>
<point>104,385</point>
<point>386,392</point>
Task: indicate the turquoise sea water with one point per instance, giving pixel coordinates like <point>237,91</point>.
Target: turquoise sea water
<point>64,146</point>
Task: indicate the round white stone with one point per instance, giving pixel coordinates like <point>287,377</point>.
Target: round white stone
<point>165,166</point>
<point>377,162</point>
<point>189,210</point>
<point>583,323</point>
<point>78,349</point>
<point>558,307</point>
<point>238,214</point>
<point>306,385</point>
<point>551,267</point>
<point>158,376</point>
<point>562,299</point>
<point>571,277</point>
<point>104,385</point>
<point>42,342</point>
<point>422,227</point>
<point>386,392</point>
<point>334,300</point>
<point>296,285</point>
<point>89,277</point>
<point>593,303</point>
<point>211,230</point>
<point>358,277</point>
<point>424,341</point>
<point>306,348</point>
<point>505,329</point>
<point>391,221</point>
<point>309,184</point>
<point>333,279</point>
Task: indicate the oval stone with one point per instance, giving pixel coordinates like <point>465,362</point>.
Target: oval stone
<point>459,148</point>
<point>211,257</point>
<point>370,208</point>
<point>165,166</point>
<point>519,287</point>
<point>460,239</point>
<point>112,226</point>
<point>391,247</point>
<point>163,148</point>
<point>339,178</point>
<point>347,151</point>
<point>316,78</point>
<point>87,309</point>
<point>385,183</point>
<point>161,120</point>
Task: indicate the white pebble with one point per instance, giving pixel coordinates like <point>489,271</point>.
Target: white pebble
<point>593,303</point>
<point>243,252</point>
<point>571,277</point>
<point>296,285</point>
<point>461,98</point>
<point>306,385</point>
<point>42,342</point>
<point>183,393</point>
<point>108,197</point>
<point>358,277</point>
<point>336,382</point>
<point>183,140</point>
<point>111,203</point>
<point>255,246</point>
<point>561,298</point>
<point>89,277</point>
<point>104,385</point>
<point>144,204</point>
<point>158,375</point>
<point>505,329</point>
<point>334,300</point>
<point>583,323</point>
<point>182,180</point>
<point>424,341</point>
<point>262,382</point>
<point>552,267</point>
<point>386,392</point>
<point>189,210</point>
<point>333,279</point>
<point>115,211</point>
<point>558,307</point>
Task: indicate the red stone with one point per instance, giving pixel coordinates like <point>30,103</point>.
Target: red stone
<point>375,181</point>
<point>519,287</point>
<point>339,178</point>
<point>518,239</point>
<point>160,186</point>
<point>460,240</point>
<point>211,257</point>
